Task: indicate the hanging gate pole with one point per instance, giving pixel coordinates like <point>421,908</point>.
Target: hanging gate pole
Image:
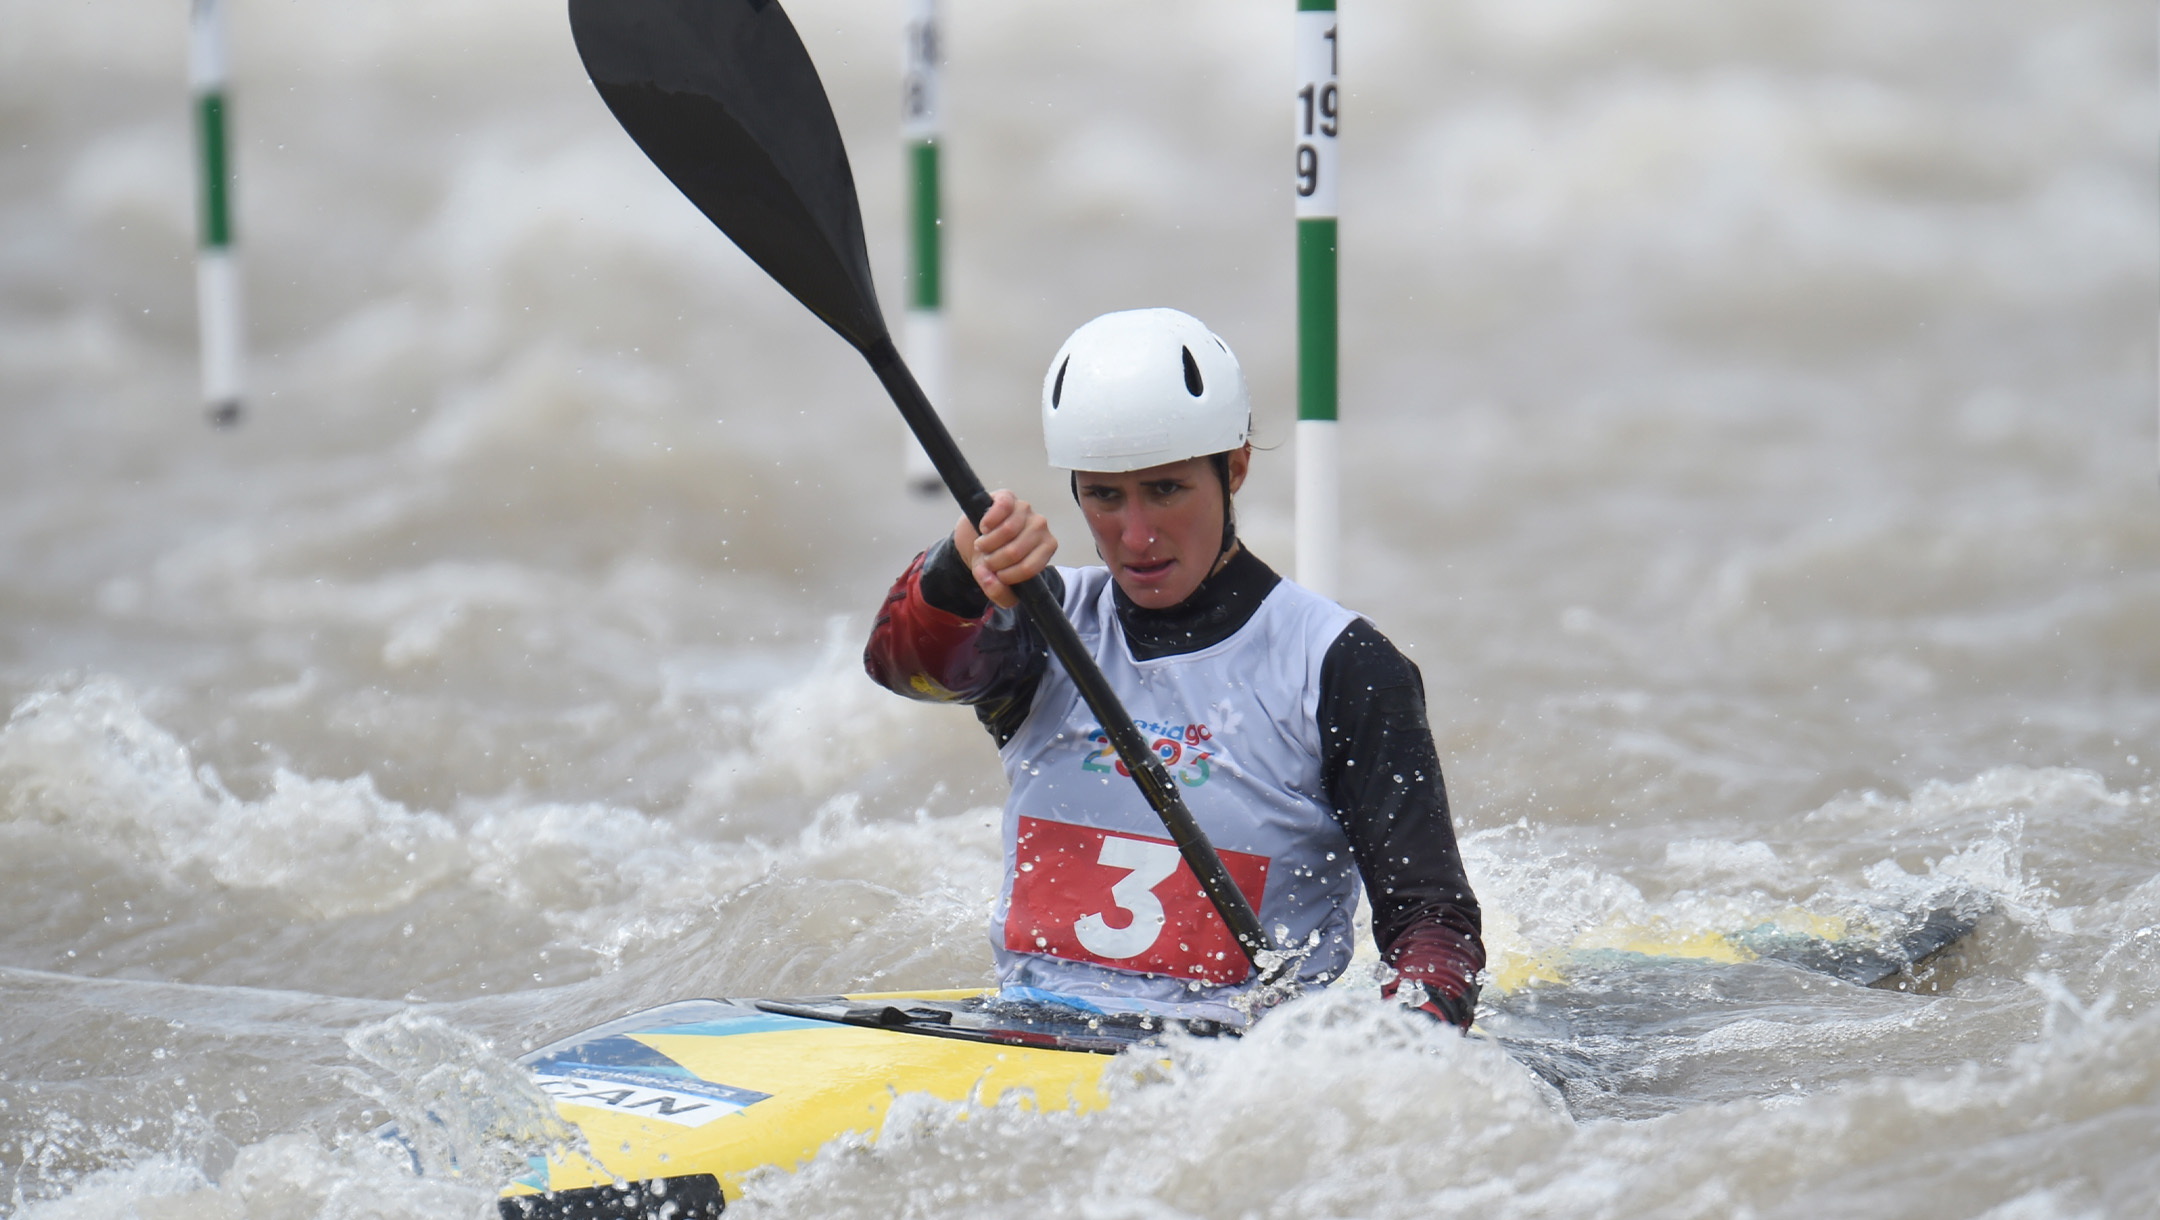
<point>924,330</point>
<point>1319,482</point>
<point>217,275</point>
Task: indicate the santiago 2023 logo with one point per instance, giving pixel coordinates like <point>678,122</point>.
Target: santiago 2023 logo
<point>1187,751</point>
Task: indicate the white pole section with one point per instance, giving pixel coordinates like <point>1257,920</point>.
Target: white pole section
<point>217,276</point>
<point>924,333</point>
<point>1319,479</point>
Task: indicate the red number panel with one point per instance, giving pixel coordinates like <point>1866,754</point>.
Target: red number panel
<point>1124,900</point>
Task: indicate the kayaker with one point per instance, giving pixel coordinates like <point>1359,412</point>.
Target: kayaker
<point>1296,731</point>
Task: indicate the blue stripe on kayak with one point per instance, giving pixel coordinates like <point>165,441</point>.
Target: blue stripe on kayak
<point>748,1023</point>
<point>1036,995</point>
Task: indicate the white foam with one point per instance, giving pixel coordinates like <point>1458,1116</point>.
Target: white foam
<point>463,1108</point>
<point>817,732</point>
<point>88,758</point>
<point>613,881</point>
<point>279,1177</point>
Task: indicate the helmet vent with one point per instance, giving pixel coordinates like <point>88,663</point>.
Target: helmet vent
<point>1192,374</point>
<point>1057,390</point>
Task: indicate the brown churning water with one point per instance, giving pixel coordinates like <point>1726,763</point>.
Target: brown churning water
<point>1749,412</point>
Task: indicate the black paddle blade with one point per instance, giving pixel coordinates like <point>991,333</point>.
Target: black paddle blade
<point>721,94</point>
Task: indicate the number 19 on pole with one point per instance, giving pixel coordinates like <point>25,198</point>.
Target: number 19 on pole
<point>1319,107</point>
<point>1318,118</point>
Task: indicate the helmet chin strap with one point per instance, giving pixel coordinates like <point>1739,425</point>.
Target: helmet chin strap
<point>1221,463</point>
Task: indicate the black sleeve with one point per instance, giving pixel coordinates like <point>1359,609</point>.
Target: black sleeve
<point>1383,777</point>
<point>949,586</point>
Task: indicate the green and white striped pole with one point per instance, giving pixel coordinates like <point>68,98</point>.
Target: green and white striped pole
<point>217,275</point>
<point>924,332</point>
<point>1319,480</point>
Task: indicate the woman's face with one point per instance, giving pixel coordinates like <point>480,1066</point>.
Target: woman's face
<point>1159,529</point>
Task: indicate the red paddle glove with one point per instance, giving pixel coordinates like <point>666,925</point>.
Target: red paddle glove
<point>1433,958</point>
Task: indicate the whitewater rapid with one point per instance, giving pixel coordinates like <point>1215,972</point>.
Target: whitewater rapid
<point>1749,421</point>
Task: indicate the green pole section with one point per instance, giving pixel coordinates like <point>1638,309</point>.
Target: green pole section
<point>927,272</point>
<point>1317,327</point>
<point>216,171</point>
<point>1318,122</point>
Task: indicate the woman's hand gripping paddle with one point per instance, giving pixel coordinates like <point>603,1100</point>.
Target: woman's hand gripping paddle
<point>721,94</point>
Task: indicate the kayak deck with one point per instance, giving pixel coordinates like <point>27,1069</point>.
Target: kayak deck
<point>726,1087</point>
<point>680,1103</point>
<point>977,1018</point>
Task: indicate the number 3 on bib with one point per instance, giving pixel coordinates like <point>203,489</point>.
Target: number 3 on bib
<point>1151,864</point>
<point>1123,900</point>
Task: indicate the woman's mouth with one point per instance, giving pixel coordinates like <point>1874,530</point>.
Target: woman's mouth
<point>1151,570</point>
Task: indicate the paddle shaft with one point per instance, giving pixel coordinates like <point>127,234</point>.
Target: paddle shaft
<point>1049,618</point>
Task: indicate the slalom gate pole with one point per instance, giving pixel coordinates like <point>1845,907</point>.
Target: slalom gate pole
<point>217,274</point>
<point>1319,480</point>
<point>924,330</point>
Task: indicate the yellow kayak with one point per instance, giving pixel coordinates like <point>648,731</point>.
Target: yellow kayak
<point>678,1103</point>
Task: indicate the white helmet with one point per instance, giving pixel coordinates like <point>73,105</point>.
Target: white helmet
<point>1140,388</point>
